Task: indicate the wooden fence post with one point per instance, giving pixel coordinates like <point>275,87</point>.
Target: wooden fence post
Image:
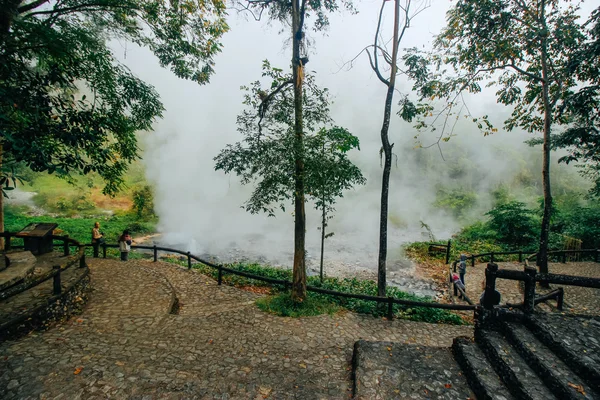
<point>564,257</point>
<point>492,257</point>
<point>390,310</point>
<point>529,300</point>
<point>560,298</point>
<point>82,260</point>
<point>596,256</point>
<point>189,260</point>
<point>448,252</point>
<point>66,245</point>
<point>155,254</point>
<point>57,286</point>
<point>520,255</point>
<point>472,260</point>
<point>104,250</point>
<point>7,241</point>
<point>220,279</point>
<point>490,285</point>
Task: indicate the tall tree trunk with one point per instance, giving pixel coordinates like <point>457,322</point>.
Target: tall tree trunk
<point>542,258</point>
<point>323,225</point>
<point>299,271</point>
<point>387,165</point>
<point>1,202</point>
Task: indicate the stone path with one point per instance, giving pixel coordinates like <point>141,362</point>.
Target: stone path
<point>386,371</point>
<point>219,345</point>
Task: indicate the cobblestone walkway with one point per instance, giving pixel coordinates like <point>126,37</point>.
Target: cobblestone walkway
<point>219,346</point>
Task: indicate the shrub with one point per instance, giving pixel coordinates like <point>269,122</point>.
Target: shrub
<point>143,202</point>
<point>356,286</point>
<point>515,225</point>
<point>283,305</point>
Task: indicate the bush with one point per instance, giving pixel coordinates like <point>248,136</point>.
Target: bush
<point>456,201</point>
<point>355,286</point>
<point>284,306</point>
<point>143,202</point>
<point>515,225</point>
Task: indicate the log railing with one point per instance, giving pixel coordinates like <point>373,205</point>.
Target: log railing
<point>55,273</point>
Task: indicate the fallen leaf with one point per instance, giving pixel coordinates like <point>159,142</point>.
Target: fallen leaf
<point>77,370</point>
<point>447,386</point>
<point>120,363</point>
<point>302,365</point>
<point>579,388</point>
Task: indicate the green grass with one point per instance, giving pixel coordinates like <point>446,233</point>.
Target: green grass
<point>80,229</point>
<point>283,305</point>
<point>356,286</point>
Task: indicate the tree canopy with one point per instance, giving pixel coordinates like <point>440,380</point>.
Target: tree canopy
<point>526,49</point>
<point>266,157</point>
<point>66,104</point>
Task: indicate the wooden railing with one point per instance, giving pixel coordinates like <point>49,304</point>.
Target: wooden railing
<point>530,277</point>
<point>55,273</point>
<point>222,270</point>
<point>558,294</point>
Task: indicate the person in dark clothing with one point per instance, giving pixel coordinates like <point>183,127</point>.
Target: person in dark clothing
<point>125,245</point>
<point>462,268</point>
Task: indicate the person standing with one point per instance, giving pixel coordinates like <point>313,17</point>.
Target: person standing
<point>97,238</point>
<point>125,245</point>
<point>462,268</point>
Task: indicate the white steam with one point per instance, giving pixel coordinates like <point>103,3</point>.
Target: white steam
<point>200,208</point>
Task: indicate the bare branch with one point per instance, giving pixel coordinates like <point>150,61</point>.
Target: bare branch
<point>246,8</point>
<point>522,71</point>
<point>264,105</point>
<point>375,63</point>
<point>100,6</point>
<point>31,6</point>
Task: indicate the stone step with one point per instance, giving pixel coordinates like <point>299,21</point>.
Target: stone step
<point>481,376</point>
<point>575,339</point>
<point>387,370</point>
<point>553,371</point>
<point>520,379</point>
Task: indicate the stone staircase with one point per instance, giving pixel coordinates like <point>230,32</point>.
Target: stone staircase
<point>535,357</point>
<point>541,357</point>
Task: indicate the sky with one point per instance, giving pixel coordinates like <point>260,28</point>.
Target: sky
<point>199,208</point>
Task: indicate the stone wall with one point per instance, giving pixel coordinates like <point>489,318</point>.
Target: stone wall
<point>57,308</point>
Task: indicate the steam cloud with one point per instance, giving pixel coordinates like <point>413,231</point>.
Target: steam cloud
<point>200,208</point>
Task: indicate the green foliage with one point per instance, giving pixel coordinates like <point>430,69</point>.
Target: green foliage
<point>67,106</point>
<point>581,138</point>
<point>267,155</point>
<point>328,170</point>
<point>356,286</point>
<point>368,287</point>
<point>456,201</point>
<point>515,225</point>
<point>143,202</point>
<point>283,305</point>
<point>80,229</point>
<point>578,221</point>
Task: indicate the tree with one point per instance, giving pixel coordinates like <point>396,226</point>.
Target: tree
<point>514,224</point>
<point>330,173</point>
<point>294,13</point>
<point>264,156</point>
<point>379,57</point>
<point>67,106</point>
<point>525,49</point>
<point>582,137</point>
